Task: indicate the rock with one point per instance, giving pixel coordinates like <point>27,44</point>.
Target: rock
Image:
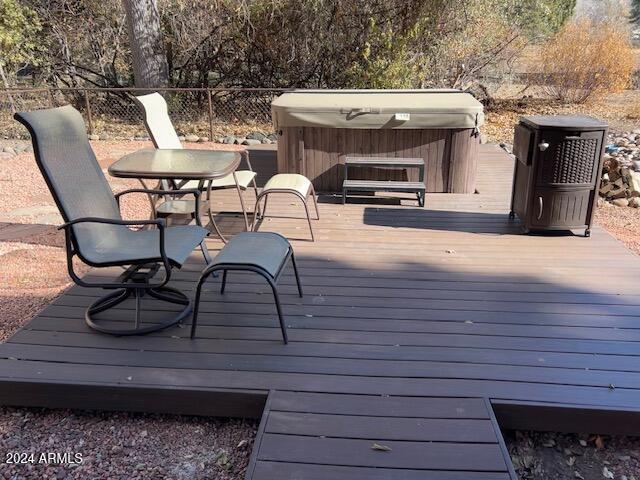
<point>634,183</point>
<point>105,136</point>
<point>266,141</point>
<point>634,202</point>
<point>273,137</point>
<point>203,139</point>
<point>9,150</point>
<point>181,138</point>
<point>239,141</point>
<point>256,136</point>
<point>620,202</point>
<point>192,138</point>
<point>20,148</point>
<point>229,140</point>
<point>94,137</point>
<point>483,138</point>
<point>219,140</point>
<point>251,141</point>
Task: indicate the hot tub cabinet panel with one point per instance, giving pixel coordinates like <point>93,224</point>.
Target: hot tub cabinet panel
<point>318,129</point>
<point>450,155</point>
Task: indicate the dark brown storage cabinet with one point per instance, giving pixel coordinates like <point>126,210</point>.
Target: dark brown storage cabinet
<point>557,171</point>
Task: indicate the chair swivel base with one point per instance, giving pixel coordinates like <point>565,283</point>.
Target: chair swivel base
<point>165,294</point>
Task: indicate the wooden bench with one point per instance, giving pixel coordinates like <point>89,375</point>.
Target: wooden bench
<point>383,185</point>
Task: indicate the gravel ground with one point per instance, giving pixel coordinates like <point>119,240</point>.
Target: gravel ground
<point>553,456</point>
<point>103,445</point>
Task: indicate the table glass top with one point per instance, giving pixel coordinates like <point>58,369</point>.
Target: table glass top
<point>176,163</point>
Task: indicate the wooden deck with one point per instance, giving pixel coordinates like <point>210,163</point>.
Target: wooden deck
<point>417,326</point>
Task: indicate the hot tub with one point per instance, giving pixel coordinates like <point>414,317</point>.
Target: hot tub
<point>318,128</point>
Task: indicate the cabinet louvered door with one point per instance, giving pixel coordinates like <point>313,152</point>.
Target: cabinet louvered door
<point>571,159</point>
<point>553,207</point>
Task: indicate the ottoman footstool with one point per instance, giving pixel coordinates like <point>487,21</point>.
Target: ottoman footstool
<point>292,183</point>
<point>265,253</point>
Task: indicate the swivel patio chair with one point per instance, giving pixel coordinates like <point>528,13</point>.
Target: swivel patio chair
<point>94,229</point>
<point>164,136</point>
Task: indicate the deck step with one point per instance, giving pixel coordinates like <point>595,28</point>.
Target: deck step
<point>341,436</point>
<point>389,162</point>
<point>383,186</point>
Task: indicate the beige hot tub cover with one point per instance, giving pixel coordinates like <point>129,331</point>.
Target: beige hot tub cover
<point>374,109</point>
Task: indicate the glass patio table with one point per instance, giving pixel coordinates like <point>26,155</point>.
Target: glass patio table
<point>175,167</point>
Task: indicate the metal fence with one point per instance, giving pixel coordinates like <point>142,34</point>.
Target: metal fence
<point>112,113</point>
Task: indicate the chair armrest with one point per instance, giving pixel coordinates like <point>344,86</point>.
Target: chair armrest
<point>158,222</point>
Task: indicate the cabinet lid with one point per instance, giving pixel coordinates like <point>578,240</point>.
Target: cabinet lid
<point>564,122</point>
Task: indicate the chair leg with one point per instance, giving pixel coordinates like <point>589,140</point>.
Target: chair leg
<point>315,202</point>
<point>244,209</point>
<point>137,294</point>
<point>256,210</point>
<point>306,209</point>
<point>205,252</point>
<point>196,306</point>
<point>295,271</point>
<point>255,189</point>
<point>264,208</point>
<point>283,327</point>
<point>224,281</point>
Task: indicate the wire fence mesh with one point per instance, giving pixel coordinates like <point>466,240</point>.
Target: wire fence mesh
<point>112,113</point>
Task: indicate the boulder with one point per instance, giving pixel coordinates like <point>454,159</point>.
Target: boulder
<point>181,138</point>
<point>273,137</point>
<point>94,137</point>
<point>634,202</point>
<point>192,138</point>
<point>620,202</point>
<point>105,136</point>
<point>256,136</point>
<point>239,141</point>
<point>203,139</point>
<point>229,140</point>
<point>251,141</point>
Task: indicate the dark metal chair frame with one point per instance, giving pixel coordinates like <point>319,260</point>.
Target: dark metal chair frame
<point>245,267</point>
<point>265,194</point>
<point>136,279</point>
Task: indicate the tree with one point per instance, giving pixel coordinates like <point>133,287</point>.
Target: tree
<point>150,67</point>
<point>19,27</point>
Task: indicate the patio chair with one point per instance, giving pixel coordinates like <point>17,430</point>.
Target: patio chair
<point>164,136</point>
<point>94,229</point>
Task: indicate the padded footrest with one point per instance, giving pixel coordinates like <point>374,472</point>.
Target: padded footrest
<point>266,250</point>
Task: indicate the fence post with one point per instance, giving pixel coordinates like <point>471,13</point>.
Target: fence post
<point>87,106</point>
<point>210,115</point>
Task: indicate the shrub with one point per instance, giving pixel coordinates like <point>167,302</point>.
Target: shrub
<point>587,59</point>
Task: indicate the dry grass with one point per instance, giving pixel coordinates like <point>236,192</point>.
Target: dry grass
<point>587,59</point>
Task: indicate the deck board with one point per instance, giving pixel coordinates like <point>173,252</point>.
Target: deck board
<point>409,313</point>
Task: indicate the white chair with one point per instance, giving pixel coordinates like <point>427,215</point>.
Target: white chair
<point>164,136</point>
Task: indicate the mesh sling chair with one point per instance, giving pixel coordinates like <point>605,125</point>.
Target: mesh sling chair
<point>164,136</point>
<point>94,229</point>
